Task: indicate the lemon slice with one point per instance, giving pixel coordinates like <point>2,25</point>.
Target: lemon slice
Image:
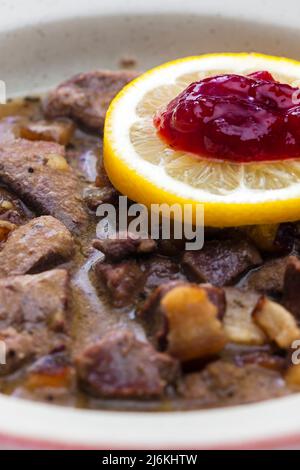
<point>143,167</point>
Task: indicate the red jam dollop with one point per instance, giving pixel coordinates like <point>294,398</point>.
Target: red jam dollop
<point>234,118</point>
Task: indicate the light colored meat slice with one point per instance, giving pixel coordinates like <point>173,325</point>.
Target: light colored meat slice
<point>42,241</point>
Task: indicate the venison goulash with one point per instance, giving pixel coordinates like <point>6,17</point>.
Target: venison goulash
<point>128,323</point>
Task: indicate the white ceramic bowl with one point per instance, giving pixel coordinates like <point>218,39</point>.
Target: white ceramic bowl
<point>43,42</point>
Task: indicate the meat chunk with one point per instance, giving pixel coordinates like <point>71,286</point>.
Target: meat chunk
<point>51,378</point>
<point>238,322</point>
<point>268,278</point>
<point>124,281</point>
<point>287,237</point>
<point>40,243</point>
<point>223,383</point>
<point>221,262</point>
<point>124,245</point>
<point>30,301</point>
<point>38,173</point>
<point>160,270</point>
<point>9,128</point>
<point>19,348</point>
<point>121,366</point>
<point>53,131</point>
<point>157,322</point>
<point>152,315</point>
<point>12,210</point>
<point>94,196</point>
<point>33,318</point>
<point>86,97</point>
<point>291,289</point>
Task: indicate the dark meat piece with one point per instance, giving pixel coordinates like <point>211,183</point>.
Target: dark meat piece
<point>268,278</point>
<point>87,96</point>
<point>53,131</point>
<point>262,359</point>
<point>159,270</point>
<point>35,246</point>
<point>49,379</point>
<point>291,289</point>
<point>126,244</point>
<point>34,300</point>
<point>223,383</point>
<point>124,281</point>
<point>38,173</point>
<point>9,128</point>
<point>221,262</point>
<point>121,366</point>
<point>19,349</point>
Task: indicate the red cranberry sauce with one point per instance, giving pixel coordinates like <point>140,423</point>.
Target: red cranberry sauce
<point>234,118</point>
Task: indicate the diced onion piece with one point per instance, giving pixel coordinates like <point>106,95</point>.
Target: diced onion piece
<point>239,325</point>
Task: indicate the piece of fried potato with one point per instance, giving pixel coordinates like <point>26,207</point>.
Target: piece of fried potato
<point>194,330</point>
<point>277,322</point>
